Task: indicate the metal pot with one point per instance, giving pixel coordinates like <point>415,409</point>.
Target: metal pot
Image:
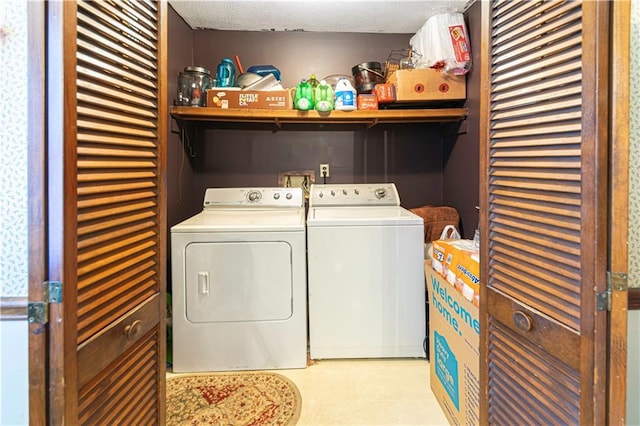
<point>367,75</point>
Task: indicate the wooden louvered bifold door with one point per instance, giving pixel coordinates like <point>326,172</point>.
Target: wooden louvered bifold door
<point>544,212</point>
<point>114,230</point>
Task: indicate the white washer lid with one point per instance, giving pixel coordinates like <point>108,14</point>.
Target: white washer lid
<point>243,220</point>
<point>361,216</point>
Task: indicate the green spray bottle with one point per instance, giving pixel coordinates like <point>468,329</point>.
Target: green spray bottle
<point>323,97</point>
<point>303,99</point>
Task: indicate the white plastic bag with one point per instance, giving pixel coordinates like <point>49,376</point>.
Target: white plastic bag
<point>443,43</point>
<point>450,233</point>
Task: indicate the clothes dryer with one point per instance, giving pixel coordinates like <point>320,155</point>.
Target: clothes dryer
<point>366,273</point>
<point>239,282</point>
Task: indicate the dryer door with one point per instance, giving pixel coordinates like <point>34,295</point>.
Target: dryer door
<point>238,281</point>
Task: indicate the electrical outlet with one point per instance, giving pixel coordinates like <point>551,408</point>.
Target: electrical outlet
<point>324,170</point>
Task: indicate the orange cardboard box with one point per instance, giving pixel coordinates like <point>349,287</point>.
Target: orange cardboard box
<point>249,99</point>
<point>386,93</point>
<point>367,101</point>
<point>457,261</point>
<point>426,84</point>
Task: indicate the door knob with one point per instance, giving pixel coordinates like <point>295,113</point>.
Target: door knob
<point>522,321</point>
<point>132,329</point>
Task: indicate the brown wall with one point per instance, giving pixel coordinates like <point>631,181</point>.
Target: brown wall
<point>430,164</point>
<point>461,148</point>
<point>179,170</point>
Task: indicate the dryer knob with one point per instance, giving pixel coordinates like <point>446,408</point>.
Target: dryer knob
<point>333,193</point>
<point>289,196</point>
<point>321,195</point>
<point>254,196</point>
<point>276,196</point>
<point>344,191</point>
<point>380,193</point>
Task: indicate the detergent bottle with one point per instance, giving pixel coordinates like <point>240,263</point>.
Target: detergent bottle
<point>323,97</point>
<point>345,96</point>
<point>303,99</point>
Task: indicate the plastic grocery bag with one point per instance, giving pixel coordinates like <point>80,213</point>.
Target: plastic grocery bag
<point>442,43</point>
<point>450,233</point>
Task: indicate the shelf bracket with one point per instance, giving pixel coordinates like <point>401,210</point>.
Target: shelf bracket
<point>372,123</point>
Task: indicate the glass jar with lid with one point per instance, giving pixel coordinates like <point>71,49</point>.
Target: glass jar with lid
<point>193,83</point>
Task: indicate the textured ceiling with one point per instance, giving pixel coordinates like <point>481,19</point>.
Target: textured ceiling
<point>372,16</point>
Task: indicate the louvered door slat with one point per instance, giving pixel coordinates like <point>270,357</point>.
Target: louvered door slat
<point>115,187</point>
<point>543,225</point>
<point>127,276</point>
<point>97,404</point>
<point>94,15</point>
<point>514,242</point>
<point>506,19</point>
<point>529,194</point>
<point>562,15</point>
<point>116,246</point>
<point>126,397</point>
<point>90,61</point>
<point>97,319</point>
<point>103,76</point>
<point>146,18</point>
<point>90,124</point>
<point>139,29</point>
<point>112,53</point>
<point>114,223</point>
<point>548,405</point>
<point>529,55</point>
<point>91,137</point>
<point>117,105</point>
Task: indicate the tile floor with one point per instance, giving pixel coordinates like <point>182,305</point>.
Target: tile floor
<point>366,392</point>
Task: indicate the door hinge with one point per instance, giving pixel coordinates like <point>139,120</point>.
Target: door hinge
<point>38,312</point>
<point>615,282</point>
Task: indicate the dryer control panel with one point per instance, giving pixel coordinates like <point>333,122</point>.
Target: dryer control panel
<point>253,197</point>
<point>365,194</point>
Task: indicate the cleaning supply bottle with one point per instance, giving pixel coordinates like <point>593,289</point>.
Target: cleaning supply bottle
<point>323,97</point>
<point>303,99</point>
<point>345,96</point>
<point>226,73</point>
<point>313,81</point>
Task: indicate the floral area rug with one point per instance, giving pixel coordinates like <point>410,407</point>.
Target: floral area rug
<point>254,399</point>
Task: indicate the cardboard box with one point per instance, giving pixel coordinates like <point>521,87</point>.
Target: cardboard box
<point>457,261</point>
<point>426,84</point>
<point>249,99</point>
<point>367,101</point>
<point>454,330</point>
<point>386,93</point>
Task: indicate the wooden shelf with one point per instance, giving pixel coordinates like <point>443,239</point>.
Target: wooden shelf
<point>280,117</point>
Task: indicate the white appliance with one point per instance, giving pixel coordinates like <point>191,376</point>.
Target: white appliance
<point>366,273</point>
<point>239,282</point>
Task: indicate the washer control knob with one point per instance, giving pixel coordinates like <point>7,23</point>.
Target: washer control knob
<point>357,191</point>
<point>254,196</point>
<point>289,195</point>
<point>344,191</point>
<point>276,196</point>
<point>380,193</point>
<point>333,193</point>
<point>320,195</point>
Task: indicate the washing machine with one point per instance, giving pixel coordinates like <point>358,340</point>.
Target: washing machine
<point>365,258</point>
<point>239,282</point>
